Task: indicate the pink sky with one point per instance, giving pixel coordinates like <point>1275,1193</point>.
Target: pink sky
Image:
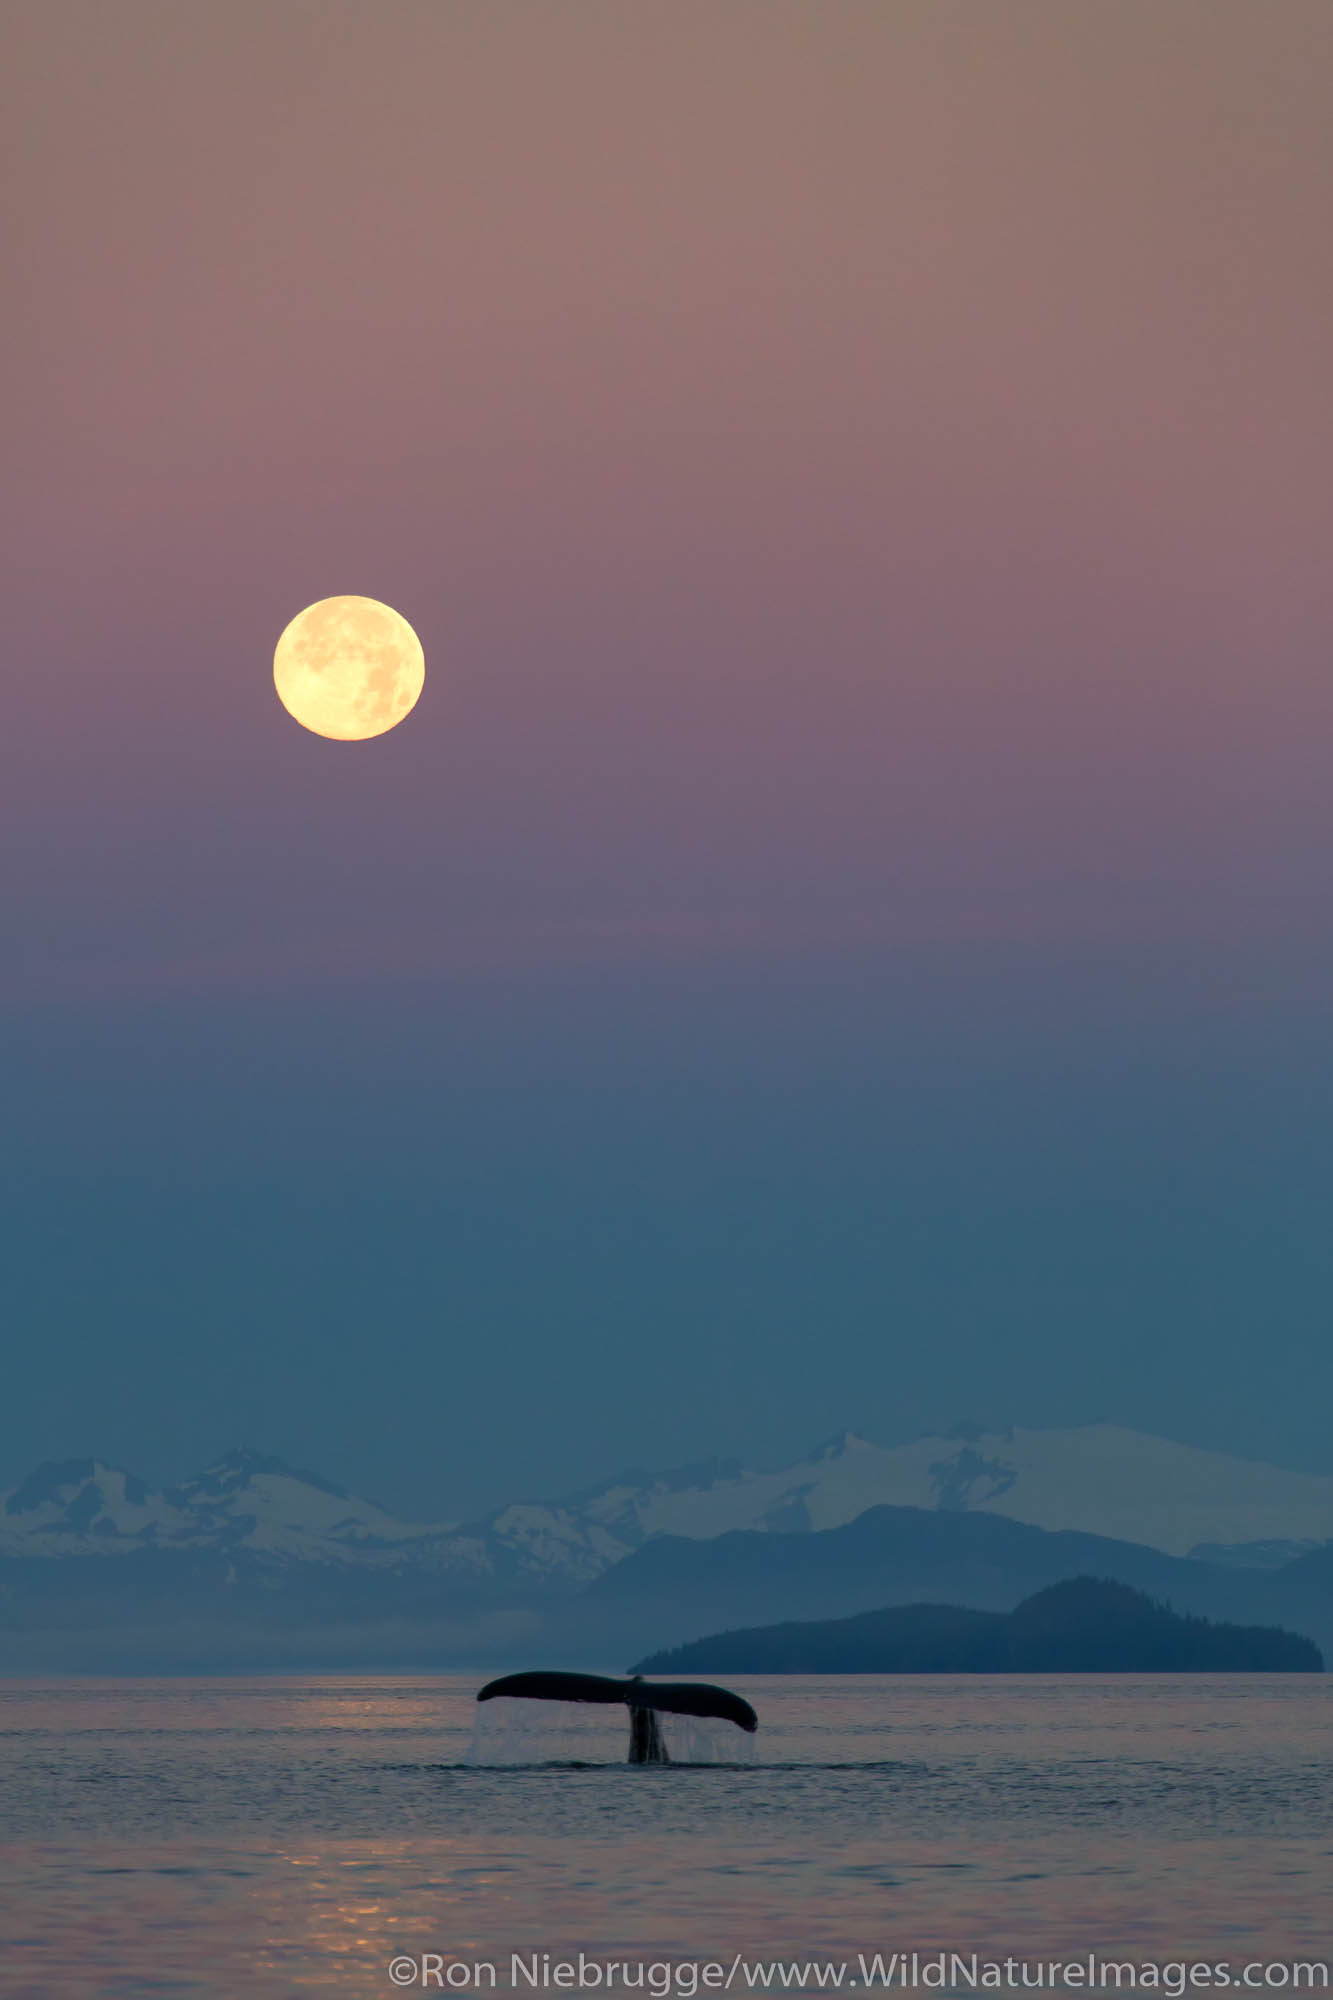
<point>861,471</point>
<point>861,460</point>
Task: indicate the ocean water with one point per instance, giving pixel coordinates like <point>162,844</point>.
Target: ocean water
<point>250,1839</point>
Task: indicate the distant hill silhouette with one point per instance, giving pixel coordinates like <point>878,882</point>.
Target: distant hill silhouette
<point>1083,1625</point>
<point>904,1555</point>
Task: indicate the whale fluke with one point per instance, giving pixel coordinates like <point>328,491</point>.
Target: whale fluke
<point>644,1699</point>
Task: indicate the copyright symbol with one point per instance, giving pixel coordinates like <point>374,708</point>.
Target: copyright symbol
<point>403,1971</point>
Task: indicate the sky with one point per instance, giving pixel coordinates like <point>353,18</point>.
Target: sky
<point>844,938</point>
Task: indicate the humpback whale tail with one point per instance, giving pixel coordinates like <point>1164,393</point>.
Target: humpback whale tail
<point>646,1700</point>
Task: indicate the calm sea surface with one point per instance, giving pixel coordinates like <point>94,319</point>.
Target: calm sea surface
<point>248,1839</point>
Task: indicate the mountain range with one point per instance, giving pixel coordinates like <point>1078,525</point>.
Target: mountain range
<point>84,1507</point>
<point>905,1555</point>
<point>1096,1479</point>
<point>252,1554</point>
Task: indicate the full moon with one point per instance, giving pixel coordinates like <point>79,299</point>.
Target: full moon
<point>348,667</point>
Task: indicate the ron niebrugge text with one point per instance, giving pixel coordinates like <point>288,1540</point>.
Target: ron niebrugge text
<point>683,1978</point>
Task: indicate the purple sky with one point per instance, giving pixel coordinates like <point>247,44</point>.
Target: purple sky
<point>852,902</point>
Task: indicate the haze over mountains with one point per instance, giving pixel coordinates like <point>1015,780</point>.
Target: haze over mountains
<point>251,1548</point>
<point>1097,1479</point>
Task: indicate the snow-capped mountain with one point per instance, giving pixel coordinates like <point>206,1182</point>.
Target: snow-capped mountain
<point>83,1507</point>
<point>1097,1479</point>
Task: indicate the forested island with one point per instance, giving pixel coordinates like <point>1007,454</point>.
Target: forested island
<point>1087,1625</point>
